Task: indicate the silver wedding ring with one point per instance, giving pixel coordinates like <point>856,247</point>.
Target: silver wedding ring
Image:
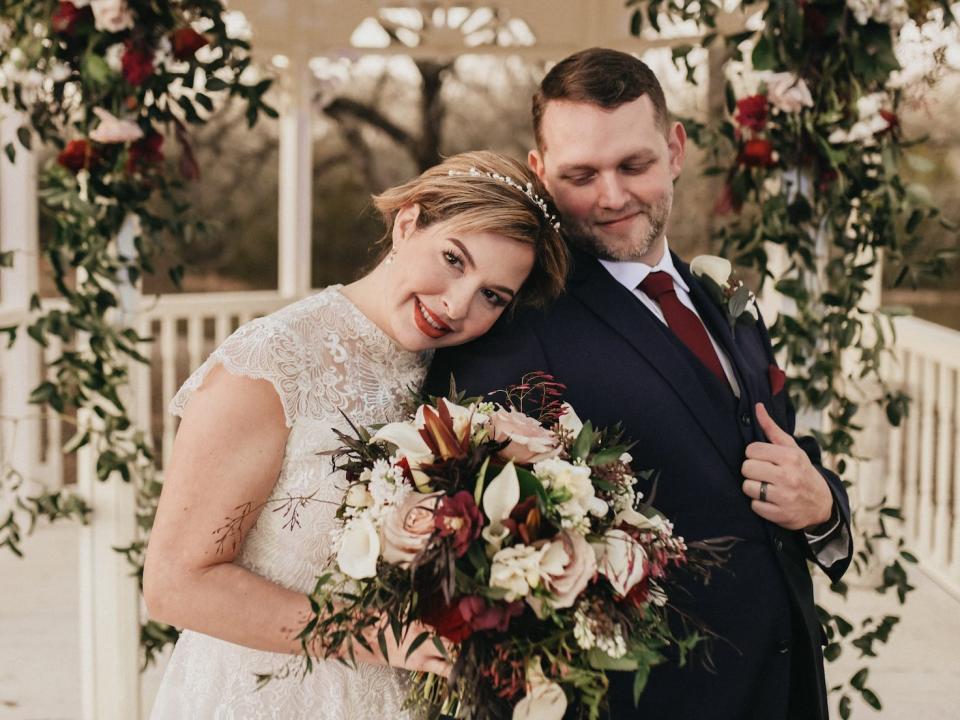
<point>763,491</point>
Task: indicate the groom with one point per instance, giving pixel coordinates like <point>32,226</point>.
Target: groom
<point>637,340</point>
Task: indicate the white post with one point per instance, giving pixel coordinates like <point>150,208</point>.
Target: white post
<point>109,595</point>
<point>296,172</point>
<point>20,365</point>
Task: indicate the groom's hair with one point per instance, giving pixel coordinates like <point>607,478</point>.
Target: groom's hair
<point>602,77</point>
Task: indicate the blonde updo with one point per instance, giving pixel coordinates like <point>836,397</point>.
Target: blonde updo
<point>477,202</point>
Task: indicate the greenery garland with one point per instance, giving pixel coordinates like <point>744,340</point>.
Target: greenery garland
<point>107,84</point>
<point>819,176</point>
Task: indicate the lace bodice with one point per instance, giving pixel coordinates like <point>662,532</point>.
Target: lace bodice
<point>323,356</point>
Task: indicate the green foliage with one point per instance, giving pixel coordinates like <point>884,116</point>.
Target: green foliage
<point>93,187</point>
<point>822,181</point>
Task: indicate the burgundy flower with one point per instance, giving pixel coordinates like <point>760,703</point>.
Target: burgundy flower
<point>67,16</point>
<point>459,516</point>
<point>483,616</point>
<point>137,63</point>
<point>827,178</point>
<point>145,152</point>
<point>77,155</point>
<point>752,112</point>
<point>757,153</point>
<point>892,120</point>
<point>447,620</point>
<point>727,203</point>
<point>186,41</point>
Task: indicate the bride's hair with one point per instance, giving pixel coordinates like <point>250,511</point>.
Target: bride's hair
<point>491,193</point>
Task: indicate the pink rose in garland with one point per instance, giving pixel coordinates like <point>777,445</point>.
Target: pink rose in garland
<point>186,41</point>
<point>113,130</point>
<point>137,63</point>
<point>459,516</point>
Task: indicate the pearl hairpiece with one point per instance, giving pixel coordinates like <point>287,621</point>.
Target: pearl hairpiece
<point>507,180</point>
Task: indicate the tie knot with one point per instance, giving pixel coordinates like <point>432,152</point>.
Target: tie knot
<point>656,284</point>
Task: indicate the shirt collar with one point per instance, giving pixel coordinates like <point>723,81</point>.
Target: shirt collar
<point>631,274</point>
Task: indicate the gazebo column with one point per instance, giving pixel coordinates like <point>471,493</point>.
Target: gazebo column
<point>296,173</point>
<point>109,593</point>
<point>19,365</point>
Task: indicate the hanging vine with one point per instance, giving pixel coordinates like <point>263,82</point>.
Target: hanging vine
<point>109,85</point>
<point>810,149</point>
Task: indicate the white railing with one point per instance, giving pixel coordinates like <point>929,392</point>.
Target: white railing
<point>923,455</point>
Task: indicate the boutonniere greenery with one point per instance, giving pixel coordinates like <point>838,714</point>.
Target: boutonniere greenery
<point>735,299</point>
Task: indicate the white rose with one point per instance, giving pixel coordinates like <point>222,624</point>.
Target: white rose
<point>112,130</point>
<point>572,487</point>
<point>716,268</point>
<point>114,57</point>
<point>359,549</point>
<point>621,559</point>
<point>111,15</point>
<point>516,569</point>
<point>787,92</point>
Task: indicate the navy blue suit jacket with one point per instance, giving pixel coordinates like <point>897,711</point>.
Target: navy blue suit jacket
<point>621,364</point>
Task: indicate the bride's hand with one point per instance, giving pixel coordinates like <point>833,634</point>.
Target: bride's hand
<point>425,658</point>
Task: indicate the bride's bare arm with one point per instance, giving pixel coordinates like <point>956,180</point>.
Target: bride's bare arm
<point>227,453</point>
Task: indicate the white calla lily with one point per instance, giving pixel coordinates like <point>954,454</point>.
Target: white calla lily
<point>569,421</point>
<point>714,267</point>
<point>411,446</point>
<point>359,549</point>
<point>544,700</point>
<point>502,495</point>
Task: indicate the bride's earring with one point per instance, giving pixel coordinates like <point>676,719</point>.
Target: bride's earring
<point>391,257</point>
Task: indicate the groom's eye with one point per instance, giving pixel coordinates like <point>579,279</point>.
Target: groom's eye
<point>579,179</point>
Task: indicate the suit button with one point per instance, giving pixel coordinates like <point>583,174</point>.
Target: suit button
<point>778,544</point>
<point>746,420</point>
<point>783,647</point>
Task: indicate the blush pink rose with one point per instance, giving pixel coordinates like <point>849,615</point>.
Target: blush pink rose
<point>530,442</point>
<point>579,568</point>
<point>408,526</point>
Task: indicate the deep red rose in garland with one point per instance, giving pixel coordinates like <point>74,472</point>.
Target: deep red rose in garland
<point>144,152</point>
<point>459,516</point>
<point>892,120</point>
<point>137,63</point>
<point>186,41</point>
<point>827,178</point>
<point>77,155</point>
<point>752,112</point>
<point>67,16</point>
<point>757,153</point>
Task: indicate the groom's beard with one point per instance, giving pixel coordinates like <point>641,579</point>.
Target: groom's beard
<point>591,239</point>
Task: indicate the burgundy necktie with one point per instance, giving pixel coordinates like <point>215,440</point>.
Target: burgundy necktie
<point>683,321</point>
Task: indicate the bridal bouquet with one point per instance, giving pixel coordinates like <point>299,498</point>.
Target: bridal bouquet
<point>516,537</point>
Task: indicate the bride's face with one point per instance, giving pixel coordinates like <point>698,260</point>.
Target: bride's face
<point>447,286</point>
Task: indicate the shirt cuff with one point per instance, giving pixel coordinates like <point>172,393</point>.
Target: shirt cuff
<point>827,544</point>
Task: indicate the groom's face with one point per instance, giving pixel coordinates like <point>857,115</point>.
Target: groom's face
<point>611,174</point>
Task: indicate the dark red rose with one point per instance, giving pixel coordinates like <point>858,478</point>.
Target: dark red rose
<point>892,120</point>
<point>459,516</point>
<point>67,16</point>
<point>77,155</point>
<point>757,153</point>
<point>638,593</point>
<point>145,152</point>
<point>727,203</point>
<point>186,41</point>
<point>752,112</point>
<point>447,620</point>
<point>482,615</point>
<point>137,63</point>
<point>827,178</point>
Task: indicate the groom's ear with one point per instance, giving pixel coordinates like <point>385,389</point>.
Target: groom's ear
<point>535,161</point>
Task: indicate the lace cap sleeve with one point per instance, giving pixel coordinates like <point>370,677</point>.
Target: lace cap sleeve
<point>263,349</point>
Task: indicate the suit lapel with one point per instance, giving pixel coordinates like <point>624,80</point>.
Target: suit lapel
<point>617,307</point>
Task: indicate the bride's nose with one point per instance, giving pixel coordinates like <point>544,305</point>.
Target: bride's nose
<point>456,302</point>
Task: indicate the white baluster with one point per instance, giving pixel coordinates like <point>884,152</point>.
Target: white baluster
<point>168,381</point>
<point>927,434</point>
<point>893,373</point>
<point>955,439</point>
<point>221,327</point>
<point>54,440</point>
<point>194,341</point>
<point>911,460</point>
<point>941,516</point>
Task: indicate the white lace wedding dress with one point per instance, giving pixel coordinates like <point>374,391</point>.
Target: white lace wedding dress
<point>323,356</point>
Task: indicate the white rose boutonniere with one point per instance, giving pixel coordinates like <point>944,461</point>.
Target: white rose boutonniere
<point>736,300</point>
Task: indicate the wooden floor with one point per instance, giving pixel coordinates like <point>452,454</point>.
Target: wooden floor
<point>917,676</point>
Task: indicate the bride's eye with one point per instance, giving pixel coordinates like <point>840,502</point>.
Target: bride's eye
<point>493,298</point>
<point>453,259</point>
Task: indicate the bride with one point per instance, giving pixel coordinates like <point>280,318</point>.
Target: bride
<point>470,238</point>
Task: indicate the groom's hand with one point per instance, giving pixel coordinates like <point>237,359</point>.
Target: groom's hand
<point>796,496</point>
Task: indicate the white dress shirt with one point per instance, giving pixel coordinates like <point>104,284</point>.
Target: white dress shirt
<point>630,275</point>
